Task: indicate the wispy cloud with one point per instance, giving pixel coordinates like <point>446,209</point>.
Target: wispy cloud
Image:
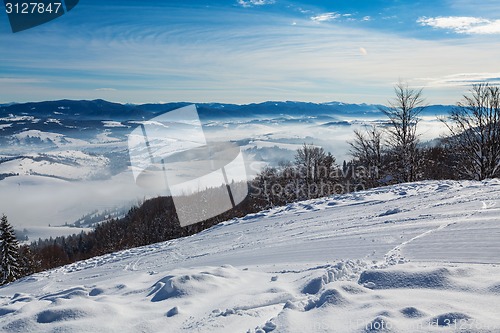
<point>325,17</point>
<point>339,17</point>
<point>461,79</point>
<point>251,3</point>
<point>105,89</point>
<point>12,80</point>
<point>463,24</point>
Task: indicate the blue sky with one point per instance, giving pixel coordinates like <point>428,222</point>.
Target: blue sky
<point>244,51</point>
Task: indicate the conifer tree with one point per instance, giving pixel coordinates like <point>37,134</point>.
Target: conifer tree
<point>27,261</point>
<point>9,253</point>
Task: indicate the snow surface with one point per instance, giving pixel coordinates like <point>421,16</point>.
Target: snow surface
<point>44,136</point>
<point>56,138</point>
<point>419,257</point>
<point>110,123</point>
<point>68,164</point>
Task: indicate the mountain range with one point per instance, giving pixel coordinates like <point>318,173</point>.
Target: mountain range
<point>102,110</point>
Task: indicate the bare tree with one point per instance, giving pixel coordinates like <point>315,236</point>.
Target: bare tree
<point>313,163</point>
<point>403,112</point>
<point>367,150</point>
<point>367,147</point>
<point>316,172</point>
<point>475,132</point>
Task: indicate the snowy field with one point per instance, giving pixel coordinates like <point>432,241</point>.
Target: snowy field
<point>420,257</point>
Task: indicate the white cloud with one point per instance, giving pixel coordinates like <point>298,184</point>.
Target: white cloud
<point>304,11</point>
<point>331,16</point>
<point>463,24</point>
<point>325,17</point>
<point>251,3</point>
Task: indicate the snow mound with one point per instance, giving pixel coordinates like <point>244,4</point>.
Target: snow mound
<point>329,297</point>
<point>344,270</point>
<point>172,312</point>
<point>412,312</point>
<point>51,316</point>
<point>202,283</point>
<point>434,279</point>
<point>165,288</point>
<point>65,294</point>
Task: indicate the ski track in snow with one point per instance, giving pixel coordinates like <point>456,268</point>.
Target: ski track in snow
<point>406,258</point>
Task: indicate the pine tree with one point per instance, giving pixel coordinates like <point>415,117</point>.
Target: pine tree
<point>9,253</point>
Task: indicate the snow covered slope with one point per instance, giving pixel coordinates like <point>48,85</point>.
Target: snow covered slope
<point>420,257</point>
<point>68,164</point>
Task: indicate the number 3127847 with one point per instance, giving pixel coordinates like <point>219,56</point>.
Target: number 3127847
<point>33,8</point>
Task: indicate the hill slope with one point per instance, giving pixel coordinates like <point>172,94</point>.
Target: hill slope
<point>412,257</point>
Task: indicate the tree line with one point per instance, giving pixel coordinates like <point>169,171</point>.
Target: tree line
<point>471,150</point>
<point>381,155</point>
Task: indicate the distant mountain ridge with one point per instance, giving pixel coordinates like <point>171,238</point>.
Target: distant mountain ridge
<point>103,110</point>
